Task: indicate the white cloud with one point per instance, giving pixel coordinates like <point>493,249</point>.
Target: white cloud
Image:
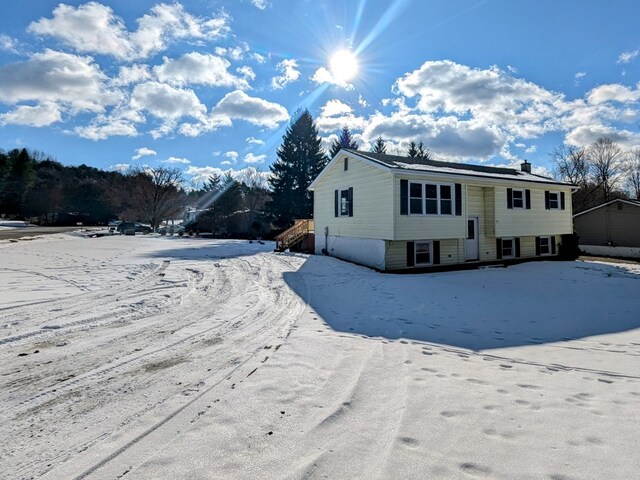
<point>613,93</point>
<point>251,158</point>
<point>70,80</point>
<point>120,167</point>
<point>177,160</point>
<point>258,58</point>
<point>254,141</point>
<point>335,114</point>
<point>362,102</point>
<point>166,102</point>
<point>238,105</point>
<point>8,44</point>
<point>235,53</point>
<point>37,116</point>
<point>322,75</point>
<point>261,4</point>
<point>199,69</point>
<point>580,75</point>
<point>627,57</point>
<point>289,73</point>
<point>335,107</point>
<point>246,72</point>
<point>587,134</point>
<point>133,74</point>
<point>94,28</point>
<point>225,162</point>
<point>142,152</point>
<point>232,155</point>
<point>115,128</point>
<point>89,28</point>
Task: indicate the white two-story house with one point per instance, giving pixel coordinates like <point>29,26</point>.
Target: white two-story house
<point>392,213</point>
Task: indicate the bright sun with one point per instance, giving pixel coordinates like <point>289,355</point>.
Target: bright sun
<point>344,65</point>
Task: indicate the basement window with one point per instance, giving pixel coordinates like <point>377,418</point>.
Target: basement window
<point>545,245</point>
<point>423,253</point>
<point>508,250</point>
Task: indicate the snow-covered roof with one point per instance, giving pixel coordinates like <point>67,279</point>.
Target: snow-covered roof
<point>635,203</point>
<point>422,165</point>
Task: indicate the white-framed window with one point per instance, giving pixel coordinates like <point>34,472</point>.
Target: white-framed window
<point>431,198</point>
<point>554,200</point>
<point>416,198</point>
<point>545,245</point>
<point>518,198</point>
<point>343,209</point>
<point>508,248</point>
<point>423,252</point>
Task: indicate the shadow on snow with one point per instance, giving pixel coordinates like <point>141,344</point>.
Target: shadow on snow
<point>524,304</point>
<point>194,248</point>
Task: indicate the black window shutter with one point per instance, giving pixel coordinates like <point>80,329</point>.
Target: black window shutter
<point>527,194</point>
<point>546,199</point>
<point>351,201</point>
<point>562,200</point>
<point>458,199</point>
<point>346,163</point>
<point>436,252</point>
<point>410,255</point>
<point>537,246</point>
<point>404,197</point>
<point>509,198</point>
<point>517,241</point>
<point>336,202</point>
<point>499,248</point>
<point>553,245</point>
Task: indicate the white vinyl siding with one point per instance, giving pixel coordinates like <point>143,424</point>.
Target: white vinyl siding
<point>535,221</point>
<point>372,201</point>
<point>451,252</point>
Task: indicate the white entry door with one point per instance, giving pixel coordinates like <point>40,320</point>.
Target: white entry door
<point>472,242</point>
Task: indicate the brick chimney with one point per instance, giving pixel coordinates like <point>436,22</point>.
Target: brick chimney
<point>525,167</point>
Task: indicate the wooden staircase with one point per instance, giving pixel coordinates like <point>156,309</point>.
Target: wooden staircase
<point>294,235</point>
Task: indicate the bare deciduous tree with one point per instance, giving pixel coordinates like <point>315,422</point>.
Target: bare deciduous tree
<point>156,193</point>
<point>606,162</point>
<point>633,170</point>
<point>570,164</point>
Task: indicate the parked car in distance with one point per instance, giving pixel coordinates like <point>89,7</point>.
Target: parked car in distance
<point>171,230</point>
<point>127,227</point>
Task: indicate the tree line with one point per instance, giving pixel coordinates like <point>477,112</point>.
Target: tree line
<point>602,171</point>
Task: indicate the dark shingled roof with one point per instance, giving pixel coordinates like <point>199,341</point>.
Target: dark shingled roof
<point>393,160</point>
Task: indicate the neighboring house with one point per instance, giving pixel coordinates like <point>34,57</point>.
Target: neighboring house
<point>610,228</point>
<point>392,213</point>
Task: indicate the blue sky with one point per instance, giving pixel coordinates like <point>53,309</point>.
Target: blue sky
<point>209,86</point>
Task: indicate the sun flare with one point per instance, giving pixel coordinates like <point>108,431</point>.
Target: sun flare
<point>344,65</point>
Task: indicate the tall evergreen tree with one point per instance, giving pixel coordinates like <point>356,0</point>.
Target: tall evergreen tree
<point>300,160</point>
<point>345,141</point>
<point>379,146</point>
<point>412,151</point>
<point>423,152</point>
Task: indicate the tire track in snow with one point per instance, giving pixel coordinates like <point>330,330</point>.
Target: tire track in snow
<point>265,321</point>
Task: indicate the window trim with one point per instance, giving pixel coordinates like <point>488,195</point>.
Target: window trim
<point>423,186</point>
<point>513,247</point>
<point>415,252</point>
<point>524,198</point>
<point>558,200</point>
<point>340,191</point>
<point>548,238</point>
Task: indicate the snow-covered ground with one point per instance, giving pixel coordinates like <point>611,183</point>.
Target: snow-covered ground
<point>150,357</point>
